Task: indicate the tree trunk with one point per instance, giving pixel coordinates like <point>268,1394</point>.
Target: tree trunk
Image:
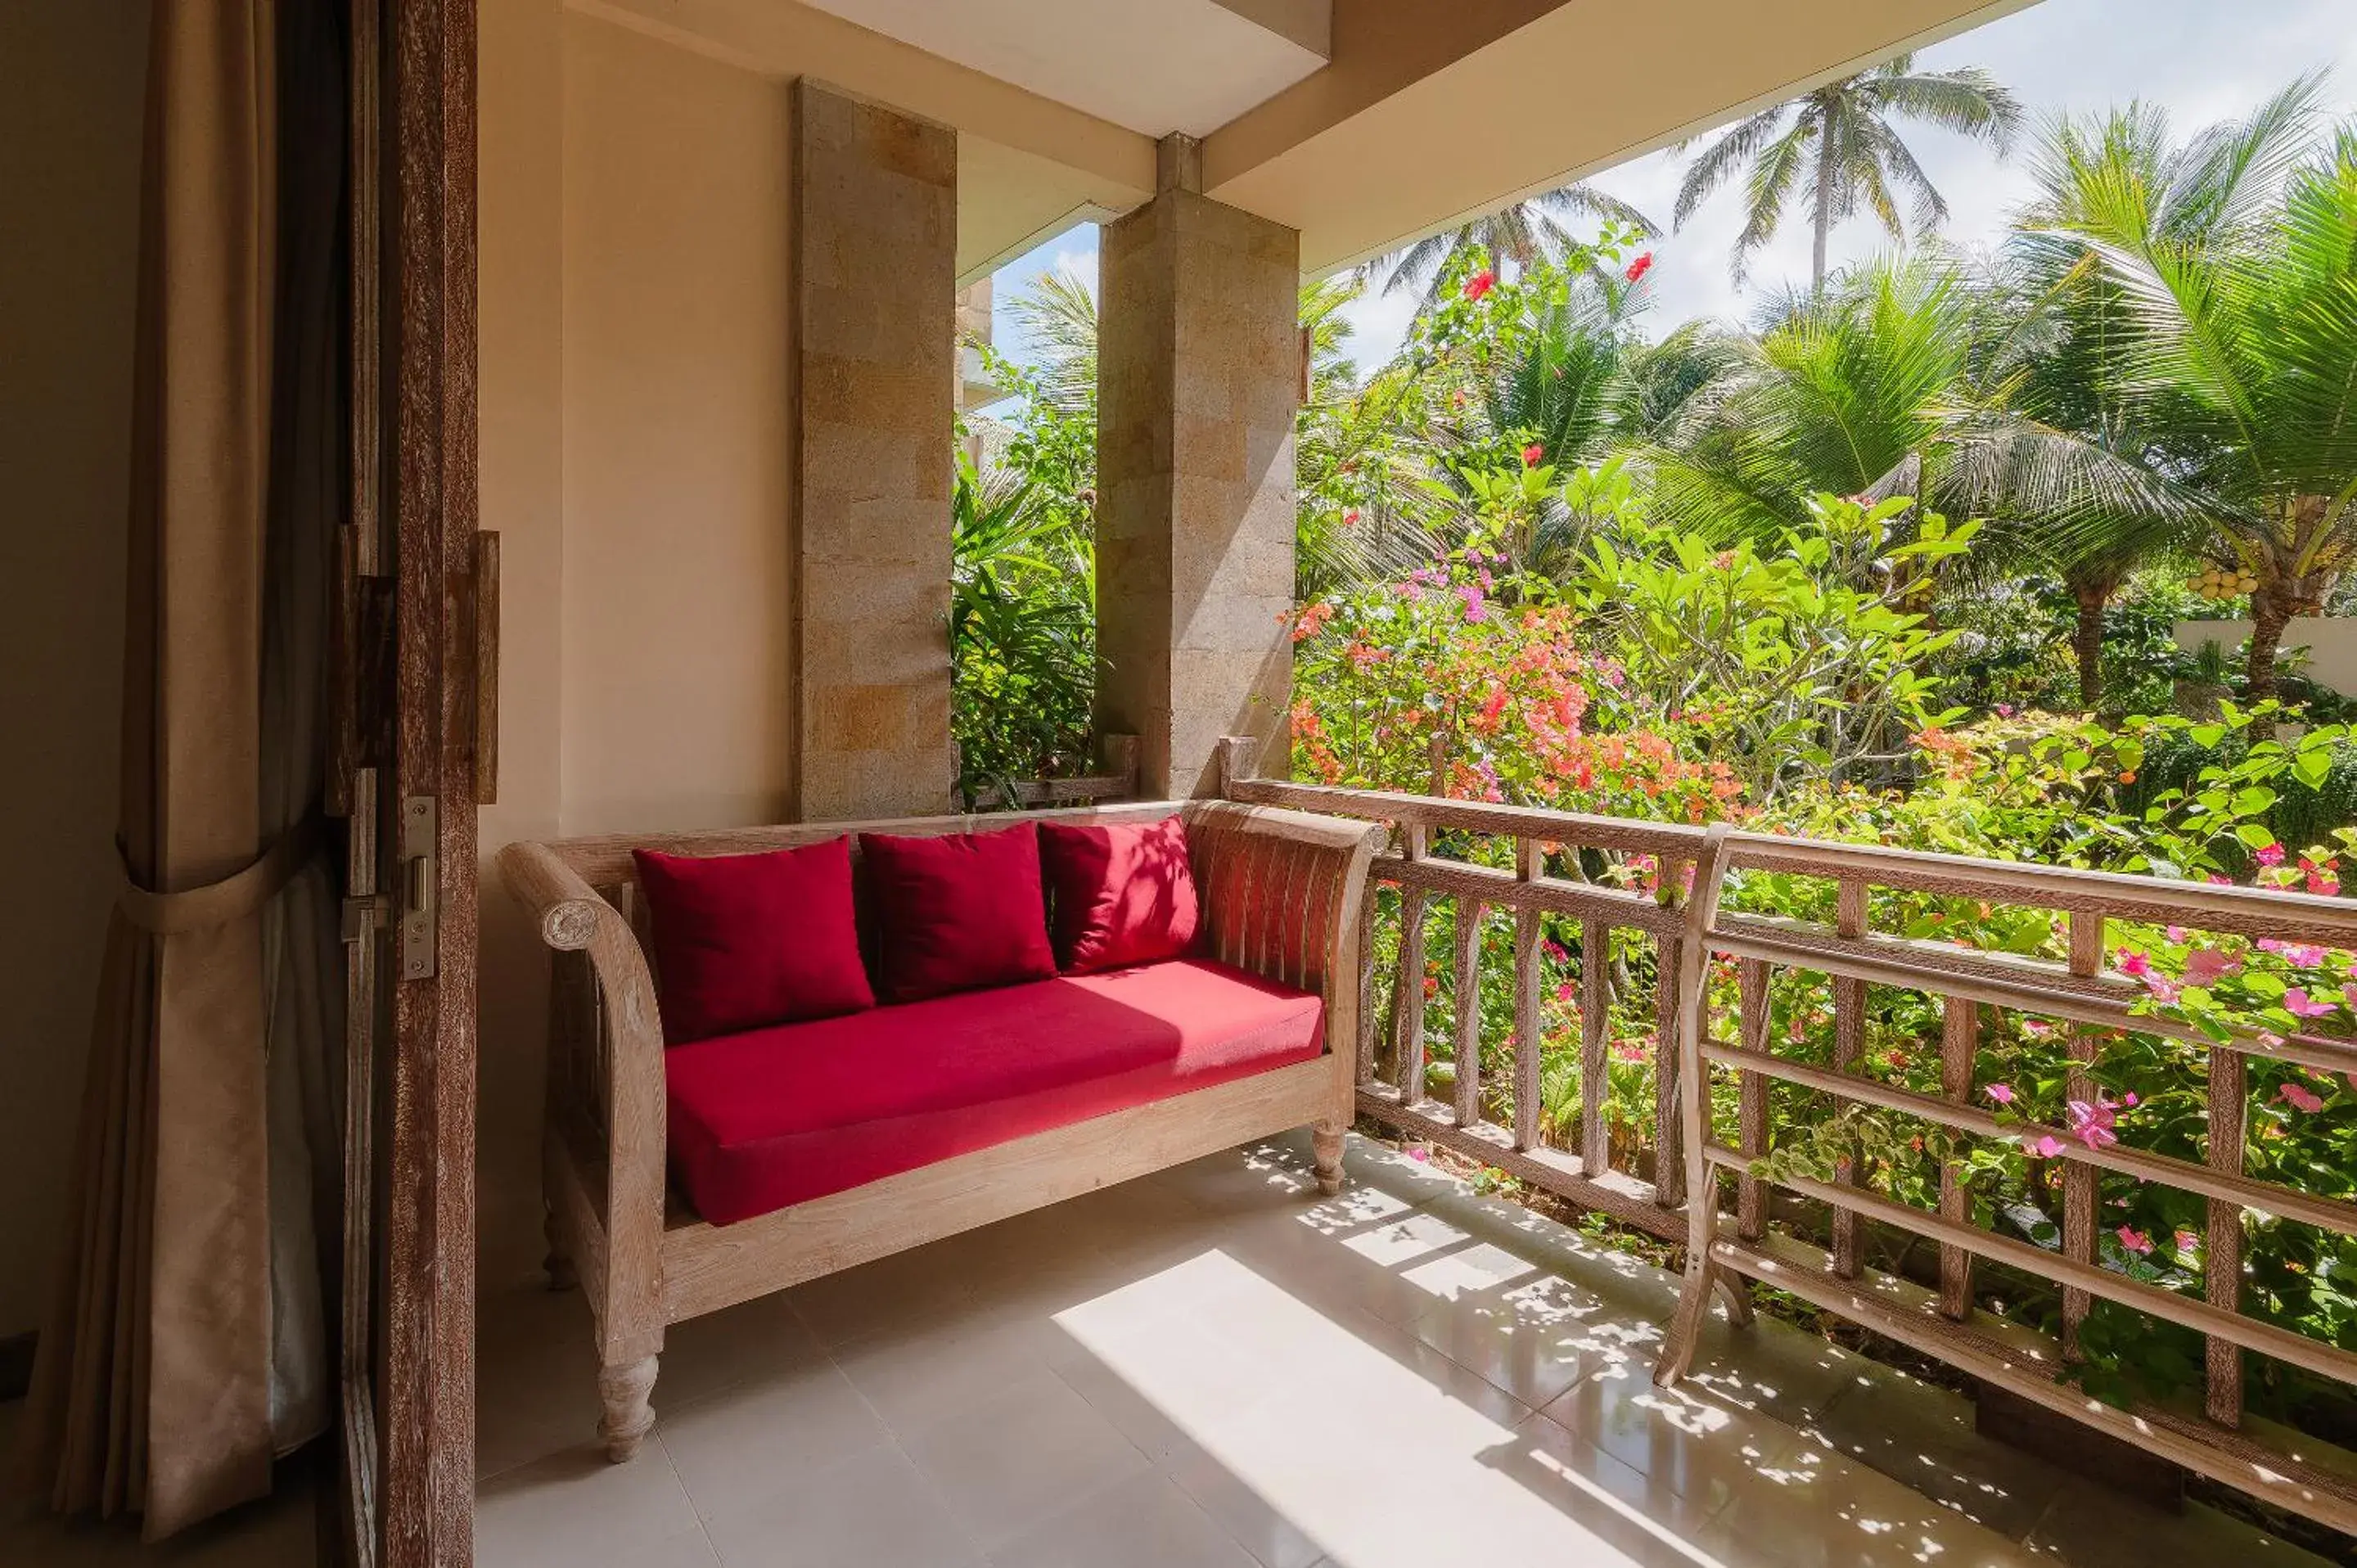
<point>2087,642</point>
<point>2271,611</point>
<point>1825,213</point>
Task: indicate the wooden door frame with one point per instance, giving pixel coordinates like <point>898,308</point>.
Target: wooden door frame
<point>408,1488</point>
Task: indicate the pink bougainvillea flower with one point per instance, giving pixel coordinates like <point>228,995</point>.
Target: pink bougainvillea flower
<point>2163,989</point>
<point>2269,855</point>
<point>1557,950</point>
<point>2217,880</point>
<point>1480,284</point>
<point>1533,455</point>
<point>2207,966</point>
<point>2187,1240</point>
<point>1640,267</point>
<point>2134,1240</point>
<point>1476,609</point>
<point>2045,1147</point>
<point>2299,1004</point>
<point>2176,934</point>
<point>2005,710</point>
<point>2091,1122</point>
<point>2000,1092</point>
<point>2133,963</point>
<point>2324,884</point>
<point>2129,1099</point>
<point>1563,993</point>
<point>2299,1097</point>
<point>1417,1154</point>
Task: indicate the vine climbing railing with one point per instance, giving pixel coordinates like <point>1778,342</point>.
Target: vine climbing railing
<point>1806,1231</point>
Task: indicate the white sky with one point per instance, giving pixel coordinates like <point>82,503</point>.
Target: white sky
<point>2203,60</point>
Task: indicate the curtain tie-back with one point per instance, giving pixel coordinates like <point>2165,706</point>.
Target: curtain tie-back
<point>233,897</point>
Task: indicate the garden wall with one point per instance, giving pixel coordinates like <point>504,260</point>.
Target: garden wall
<point>2332,642</point>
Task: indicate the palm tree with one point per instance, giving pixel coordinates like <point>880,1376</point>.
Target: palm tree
<point>2222,277</point>
<point>1524,233</point>
<point>1869,387</point>
<point>1840,140</point>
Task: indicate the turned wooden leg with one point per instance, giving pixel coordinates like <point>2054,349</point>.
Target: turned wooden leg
<point>629,1414</point>
<point>1325,1155</point>
<point>561,1274</point>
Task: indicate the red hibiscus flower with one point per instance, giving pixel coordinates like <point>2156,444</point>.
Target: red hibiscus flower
<point>1640,267</point>
<point>1480,284</point>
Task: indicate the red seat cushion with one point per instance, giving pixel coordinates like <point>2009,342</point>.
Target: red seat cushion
<point>777,1116</point>
<point>1125,893</point>
<point>957,912</point>
<point>744,940</point>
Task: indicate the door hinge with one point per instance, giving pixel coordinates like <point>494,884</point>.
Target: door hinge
<point>421,869</point>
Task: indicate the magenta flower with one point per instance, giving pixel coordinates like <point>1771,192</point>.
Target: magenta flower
<point>2207,966</point>
<point>1533,455</point>
<point>2163,989</point>
<point>2045,1147</point>
<point>2000,1092</point>
<point>2134,963</point>
<point>2216,880</point>
<point>2269,855</point>
<point>1563,991</point>
<point>2176,934</point>
<point>2129,1099</point>
<point>2091,1122</point>
<point>2298,1004</point>
<point>2187,1240</point>
<point>2300,1098</point>
<point>2005,710</point>
<point>1417,1154</point>
<point>2134,1240</point>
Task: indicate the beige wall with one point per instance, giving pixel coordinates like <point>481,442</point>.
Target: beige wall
<point>71,79</point>
<point>634,278</point>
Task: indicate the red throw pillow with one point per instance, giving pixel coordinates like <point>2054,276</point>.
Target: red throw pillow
<point>958,912</point>
<point>746,940</point>
<point>1125,893</point>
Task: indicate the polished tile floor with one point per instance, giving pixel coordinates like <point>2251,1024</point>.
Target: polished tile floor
<point>1214,1367</point>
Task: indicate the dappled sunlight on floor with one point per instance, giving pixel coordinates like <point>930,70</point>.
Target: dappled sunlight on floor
<point>1215,1366</point>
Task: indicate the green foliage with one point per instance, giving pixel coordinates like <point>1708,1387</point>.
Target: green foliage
<point>1022,632</point>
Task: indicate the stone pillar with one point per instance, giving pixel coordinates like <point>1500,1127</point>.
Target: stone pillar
<point>1197,382</point>
<point>875,246</point>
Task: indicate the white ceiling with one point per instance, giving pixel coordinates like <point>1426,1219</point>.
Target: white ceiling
<point>1152,66</point>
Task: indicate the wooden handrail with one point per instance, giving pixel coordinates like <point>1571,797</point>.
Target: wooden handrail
<point>1681,1200</point>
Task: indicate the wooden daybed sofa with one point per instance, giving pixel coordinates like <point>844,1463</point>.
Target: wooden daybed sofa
<point>1279,894</point>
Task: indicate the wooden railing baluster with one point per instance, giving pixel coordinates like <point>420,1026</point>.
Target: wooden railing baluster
<point>1468,1046</point>
<point>1594,1039</point>
<point>1527,1016</point>
<point>1849,1048</point>
<point>1959,1039</point>
<point>1751,1022</point>
<point>1669,1122</point>
<point>1369,1024</point>
<point>2081,1185</point>
<point>2221,1245</point>
<point>1407,993</point>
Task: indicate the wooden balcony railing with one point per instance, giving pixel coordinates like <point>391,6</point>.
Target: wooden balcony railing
<point>1694,1143</point>
<point>1114,780</point>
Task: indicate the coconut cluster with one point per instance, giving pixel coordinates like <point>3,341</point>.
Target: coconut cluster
<point>2224,582</point>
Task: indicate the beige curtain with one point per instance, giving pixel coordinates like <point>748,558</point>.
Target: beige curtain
<point>184,1347</point>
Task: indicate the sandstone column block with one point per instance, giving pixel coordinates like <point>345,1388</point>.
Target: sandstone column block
<point>1198,381</point>
<point>875,237</point>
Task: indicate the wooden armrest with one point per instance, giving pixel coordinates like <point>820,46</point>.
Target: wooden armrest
<point>1282,891</point>
<point>572,918</point>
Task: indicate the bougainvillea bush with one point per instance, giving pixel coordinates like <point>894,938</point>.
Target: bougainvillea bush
<point>1684,679</point>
